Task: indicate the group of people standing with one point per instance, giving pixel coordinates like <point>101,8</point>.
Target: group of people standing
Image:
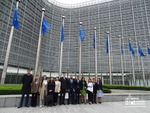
<point>50,90</point>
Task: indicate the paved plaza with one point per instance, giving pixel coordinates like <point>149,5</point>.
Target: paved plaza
<point>105,107</point>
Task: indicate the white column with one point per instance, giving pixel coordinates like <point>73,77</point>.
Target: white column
<point>80,49</point>
<point>121,60</point>
<point>8,50</point>
<point>109,59</point>
<point>95,53</point>
<point>133,70</point>
<point>143,72</point>
<point>39,45</point>
<point>61,50</point>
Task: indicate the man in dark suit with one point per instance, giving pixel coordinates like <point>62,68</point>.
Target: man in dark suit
<point>71,90</point>
<point>26,88</point>
<point>64,88</point>
<point>77,89</point>
<point>94,91</point>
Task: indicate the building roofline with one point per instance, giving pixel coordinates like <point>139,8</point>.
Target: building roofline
<point>78,5</point>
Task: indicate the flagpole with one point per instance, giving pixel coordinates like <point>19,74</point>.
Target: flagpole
<point>142,66</point>
<point>109,59</point>
<point>121,60</point>
<point>61,50</point>
<point>39,45</point>
<point>80,48</point>
<point>8,50</point>
<point>133,71</point>
<point>95,53</point>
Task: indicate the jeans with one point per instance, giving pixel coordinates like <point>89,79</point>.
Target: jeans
<point>22,98</point>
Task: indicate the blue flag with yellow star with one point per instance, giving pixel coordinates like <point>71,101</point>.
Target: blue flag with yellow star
<point>148,50</point>
<point>131,49</point>
<point>15,21</point>
<point>81,34</point>
<point>62,34</point>
<point>45,26</point>
<point>140,51</point>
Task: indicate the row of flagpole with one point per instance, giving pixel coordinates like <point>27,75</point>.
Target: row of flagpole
<point>15,24</point>
<point>44,25</point>
<point>122,60</point>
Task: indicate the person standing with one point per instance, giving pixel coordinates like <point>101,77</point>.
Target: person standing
<point>71,90</point>
<point>83,90</point>
<point>90,91</point>
<point>35,91</point>
<point>94,91</point>
<point>50,91</point>
<point>57,90</point>
<point>26,88</point>
<point>43,90</point>
<point>99,90</point>
<point>78,89</point>
<point>64,88</point>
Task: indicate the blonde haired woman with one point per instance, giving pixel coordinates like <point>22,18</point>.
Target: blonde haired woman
<point>35,91</point>
<point>43,90</point>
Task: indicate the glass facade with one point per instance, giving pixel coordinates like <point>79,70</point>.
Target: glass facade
<point>128,18</point>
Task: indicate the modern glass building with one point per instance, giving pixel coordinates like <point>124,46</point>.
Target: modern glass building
<point>128,18</point>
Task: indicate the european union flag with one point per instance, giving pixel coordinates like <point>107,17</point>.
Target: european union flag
<point>107,45</point>
<point>94,41</point>
<point>131,49</point>
<point>140,51</point>
<point>15,22</point>
<point>62,34</point>
<point>148,50</point>
<point>81,34</point>
<point>45,26</point>
<point>122,51</point>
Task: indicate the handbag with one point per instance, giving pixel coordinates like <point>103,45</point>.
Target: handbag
<point>49,98</point>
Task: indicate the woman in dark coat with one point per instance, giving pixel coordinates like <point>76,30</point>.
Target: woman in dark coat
<point>50,91</point>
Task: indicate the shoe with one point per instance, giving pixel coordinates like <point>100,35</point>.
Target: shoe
<point>100,102</point>
<point>90,103</point>
<point>50,105</point>
<point>40,106</point>
<point>54,104</point>
<point>64,104</point>
<point>33,106</point>
<point>27,106</point>
<point>19,106</point>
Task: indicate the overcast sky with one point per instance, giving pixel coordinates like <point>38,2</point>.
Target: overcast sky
<point>72,1</point>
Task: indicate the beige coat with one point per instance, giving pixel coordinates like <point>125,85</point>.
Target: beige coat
<point>57,86</point>
<point>35,87</point>
<point>41,91</point>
